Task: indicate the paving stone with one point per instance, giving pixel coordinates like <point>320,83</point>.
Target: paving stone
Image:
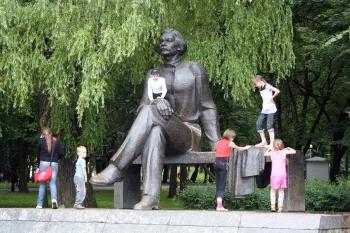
<point>290,221</point>
<point>206,218</point>
<point>128,228</point>
<point>167,221</point>
<point>197,229</point>
<point>268,230</point>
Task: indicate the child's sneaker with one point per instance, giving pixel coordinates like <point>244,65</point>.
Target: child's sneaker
<point>221,209</point>
<point>78,207</point>
<point>38,207</point>
<point>54,204</point>
<point>273,208</point>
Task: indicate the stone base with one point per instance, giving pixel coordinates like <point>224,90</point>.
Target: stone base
<point>171,221</point>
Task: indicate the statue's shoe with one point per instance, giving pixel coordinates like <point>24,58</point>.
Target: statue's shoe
<point>147,203</point>
<point>108,176</point>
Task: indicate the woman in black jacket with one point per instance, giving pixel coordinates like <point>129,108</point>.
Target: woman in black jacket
<point>48,145</point>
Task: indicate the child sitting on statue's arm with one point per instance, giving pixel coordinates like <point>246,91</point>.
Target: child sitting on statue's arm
<point>223,150</point>
<point>156,86</point>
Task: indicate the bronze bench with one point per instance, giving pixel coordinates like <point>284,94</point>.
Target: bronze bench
<point>128,192</point>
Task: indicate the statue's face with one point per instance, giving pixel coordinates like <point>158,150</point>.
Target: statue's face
<point>168,45</point>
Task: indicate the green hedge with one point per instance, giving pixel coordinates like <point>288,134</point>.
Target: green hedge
<point>203,197</point>
<point>325,196</point>
<point>319,196</point>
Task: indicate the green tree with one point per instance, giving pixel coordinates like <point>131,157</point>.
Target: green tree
<point>75,58</point>
<point>76,50</point>
<point>317,89</point>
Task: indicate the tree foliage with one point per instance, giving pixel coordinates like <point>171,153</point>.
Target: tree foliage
<point>76,50</point>
<point>316,94</point>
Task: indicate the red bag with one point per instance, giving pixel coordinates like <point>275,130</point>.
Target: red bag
<point>43,176</point>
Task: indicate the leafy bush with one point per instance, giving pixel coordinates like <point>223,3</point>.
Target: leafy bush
<point>319,196</point>
<point>325,196</point>
<point>203,197</point>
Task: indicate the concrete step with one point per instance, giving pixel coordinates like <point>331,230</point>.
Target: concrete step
<point>167,221</point>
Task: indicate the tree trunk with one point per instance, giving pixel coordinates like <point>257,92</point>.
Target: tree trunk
<point>346,166</point>
<point>316,122</point>
<point>90,200</point>
<point>65,184</point>
<point>338,153</point>
<point>301,128</point>
<point>66,188</point>
<point>22,155</point>
<point>279,115</point>
<point>338,149</point>
<point>183,177</point>
<point>173,184</point>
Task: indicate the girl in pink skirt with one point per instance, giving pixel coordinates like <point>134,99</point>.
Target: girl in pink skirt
<point>278,179</point>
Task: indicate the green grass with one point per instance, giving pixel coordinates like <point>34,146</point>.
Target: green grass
<point>33,185</point>
<point>30,185</point>
<point>18,200</point>
<point>104,200</point>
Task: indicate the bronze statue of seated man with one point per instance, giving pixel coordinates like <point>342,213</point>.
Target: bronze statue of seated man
<point>162,127</point>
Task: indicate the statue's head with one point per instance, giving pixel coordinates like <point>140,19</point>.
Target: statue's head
<point>171,42</point>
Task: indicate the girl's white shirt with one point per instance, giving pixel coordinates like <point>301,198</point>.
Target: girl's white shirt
<point>268,107</point>
<point>156,86</point>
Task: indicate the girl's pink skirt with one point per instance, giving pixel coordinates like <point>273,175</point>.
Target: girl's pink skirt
<point>278,182</point>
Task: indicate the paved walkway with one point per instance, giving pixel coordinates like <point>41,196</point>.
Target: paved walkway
<point>167,221</point>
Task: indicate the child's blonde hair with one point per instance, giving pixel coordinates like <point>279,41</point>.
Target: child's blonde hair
<point>258,78</point>
<point>229,133</point>
<point>278,144</point>
<point>80,148</point>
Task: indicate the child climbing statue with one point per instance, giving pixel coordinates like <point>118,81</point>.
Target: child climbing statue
<point>268,93</point>
<point>278,179</point>
<point>223,149</point>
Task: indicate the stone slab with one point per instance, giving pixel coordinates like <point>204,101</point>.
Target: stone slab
<point>168,221</point>
<point>290,221</point>
<point>127,193</point>
<point>191,158</point>
<point>294,195</point>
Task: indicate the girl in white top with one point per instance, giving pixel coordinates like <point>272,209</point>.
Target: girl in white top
<point>156,86</point>
<point>268,93</point>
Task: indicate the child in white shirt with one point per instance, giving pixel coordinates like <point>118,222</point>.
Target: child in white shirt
<point>268,93</point>
<point>156,86</point>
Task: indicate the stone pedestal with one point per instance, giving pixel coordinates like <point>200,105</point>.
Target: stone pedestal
<point>128,192</point>
<point>31,220</point>
<point>294,195</point>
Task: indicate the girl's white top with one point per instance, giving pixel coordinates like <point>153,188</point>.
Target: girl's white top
<point>268,107</point>
<point>156,86</point>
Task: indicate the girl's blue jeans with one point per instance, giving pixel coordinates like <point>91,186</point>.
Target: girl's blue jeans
<point>53,189</point>
<point>269,122</point>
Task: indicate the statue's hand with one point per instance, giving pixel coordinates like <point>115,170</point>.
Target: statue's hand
<point>163,107</point>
